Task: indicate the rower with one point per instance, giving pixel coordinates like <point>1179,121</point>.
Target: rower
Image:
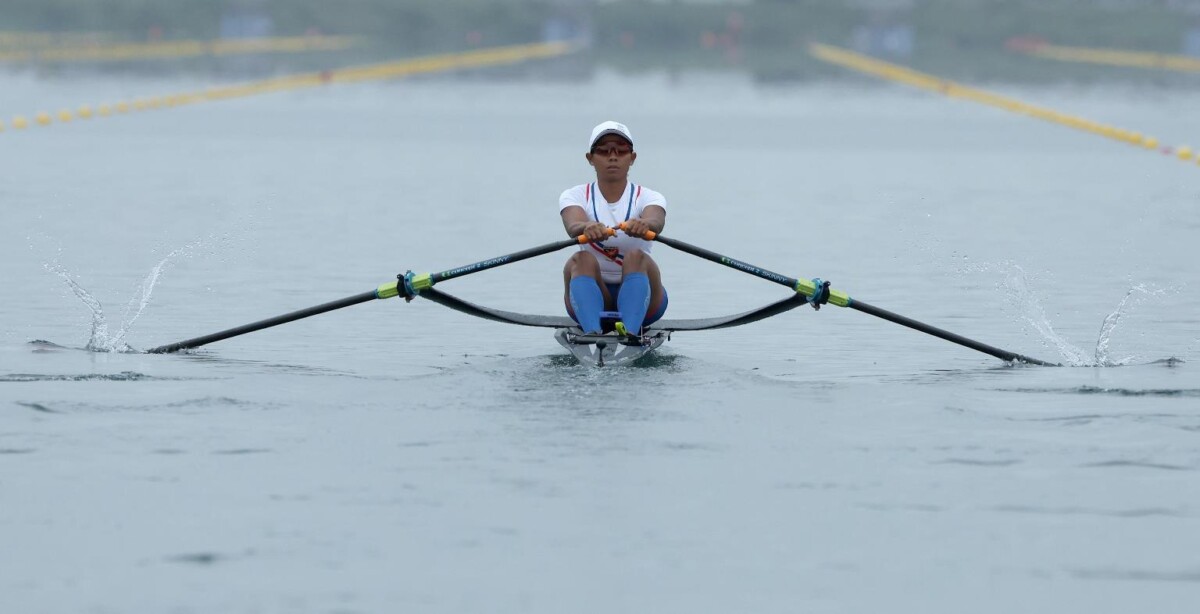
<point>613,272</point>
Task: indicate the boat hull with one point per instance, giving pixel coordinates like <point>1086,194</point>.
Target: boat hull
<point>609,349</point>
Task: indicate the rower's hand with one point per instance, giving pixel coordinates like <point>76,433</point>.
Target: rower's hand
<point>636,227</point>
<point>597,232</point>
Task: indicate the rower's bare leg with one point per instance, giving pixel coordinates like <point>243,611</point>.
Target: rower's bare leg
<point>584,291</point>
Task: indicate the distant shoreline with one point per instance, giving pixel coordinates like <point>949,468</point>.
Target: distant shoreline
<point>953,38</point>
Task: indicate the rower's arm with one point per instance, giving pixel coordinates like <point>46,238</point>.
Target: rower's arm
<point>649,224</point>
<point>576,222</point>
<point>655,217</point>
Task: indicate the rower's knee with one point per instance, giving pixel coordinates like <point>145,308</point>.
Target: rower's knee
<point>635,260</point>
<point>581,264</point>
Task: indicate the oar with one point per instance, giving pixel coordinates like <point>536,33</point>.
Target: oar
<point>819,292</point>
<point>407,285</point>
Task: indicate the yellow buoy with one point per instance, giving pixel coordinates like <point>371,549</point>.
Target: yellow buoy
<point>1184,152</point>
<point>20,123</point>
<point>1149,142</point>
<point>43,118</point>
<point>64,116</point>
<point>84,112</point>
<point>104,110</point>
<point>122,107</point>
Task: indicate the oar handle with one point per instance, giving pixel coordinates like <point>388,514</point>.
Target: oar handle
<point>584,240</point>
<point>649,236</point>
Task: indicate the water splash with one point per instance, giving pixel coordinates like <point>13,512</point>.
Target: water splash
<point>101,340</point>
<point>1029,308</point>
<point>1110,323</point>
<point>141,299</point>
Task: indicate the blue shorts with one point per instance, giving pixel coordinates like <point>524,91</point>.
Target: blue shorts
<point>613,291</point>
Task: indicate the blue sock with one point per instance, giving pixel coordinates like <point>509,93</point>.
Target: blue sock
<point>633,301</point>
<point>588,302</point>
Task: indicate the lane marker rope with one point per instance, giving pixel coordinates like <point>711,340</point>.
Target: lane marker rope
<point>1107,57</point>
<point>120,52</point>
<point>481,58</point>
<point>951,89</point>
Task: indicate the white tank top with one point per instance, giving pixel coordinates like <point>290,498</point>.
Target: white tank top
<point>610,253</point>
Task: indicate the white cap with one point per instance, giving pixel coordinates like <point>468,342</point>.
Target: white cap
<point>607,128</point>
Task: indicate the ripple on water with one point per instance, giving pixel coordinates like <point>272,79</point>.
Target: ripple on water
<point>37,407</point>
<point>1086,419</point>
<point>123,376</point>
<point>1138,463</point>
<point>980,462</point>
<point>206,558</point>
<point>1143,575</point>
<point>211,402</point>
<point>43,346</point>
<point>196,403</point>
<point>903,507</point>
<point>1168,362</point>
<point>1086,511</point>
<point>1124,392</point>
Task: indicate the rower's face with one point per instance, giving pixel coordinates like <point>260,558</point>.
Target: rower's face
<point>612,156</point>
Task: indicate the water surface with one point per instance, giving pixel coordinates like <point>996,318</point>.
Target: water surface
<point>400,455</point>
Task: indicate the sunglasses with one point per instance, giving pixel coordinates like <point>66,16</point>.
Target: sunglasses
<point>612,150</point>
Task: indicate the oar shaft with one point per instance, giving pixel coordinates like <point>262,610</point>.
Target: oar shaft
<point>744,267</point>
<point>945,334</point>
<point>268,323</point>
<point>492,263</point>
<point>408,285</point>
<point>841,299</point>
